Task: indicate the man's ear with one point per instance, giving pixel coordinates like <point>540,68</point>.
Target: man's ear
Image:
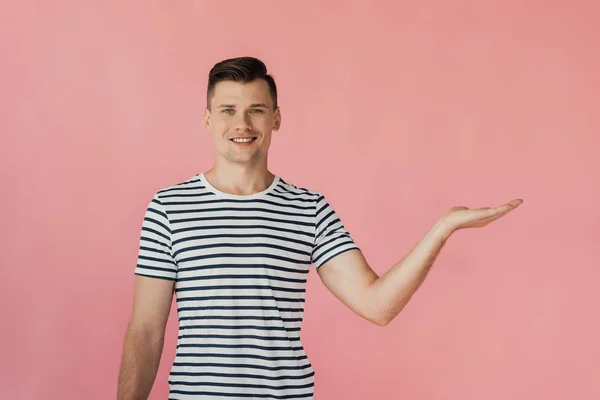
<point>207,124</point>
<point>277,119</point>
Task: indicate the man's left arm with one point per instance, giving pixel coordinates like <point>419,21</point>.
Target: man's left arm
<point>379,299</point>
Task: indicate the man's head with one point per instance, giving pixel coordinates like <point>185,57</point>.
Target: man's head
<point>241,107</point>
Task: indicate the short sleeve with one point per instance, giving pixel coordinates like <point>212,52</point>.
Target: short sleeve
<point>155,256</point>
<point>331,238</point>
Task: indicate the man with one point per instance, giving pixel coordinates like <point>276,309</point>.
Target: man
<point>235,245</point>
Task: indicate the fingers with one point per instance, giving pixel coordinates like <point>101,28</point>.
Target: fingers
<point>490,214</point>
<point>511,205</point>
<point>505,208</point>
<point>515,203</point>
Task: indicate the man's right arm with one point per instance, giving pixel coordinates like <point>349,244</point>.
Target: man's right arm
<point>144,337</point>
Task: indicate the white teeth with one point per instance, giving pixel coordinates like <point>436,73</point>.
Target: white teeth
<point>244,140</point>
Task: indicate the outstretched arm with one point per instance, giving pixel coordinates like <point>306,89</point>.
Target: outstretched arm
<point>379,299</point>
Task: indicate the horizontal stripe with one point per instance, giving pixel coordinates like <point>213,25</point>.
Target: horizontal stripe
<point>239,210</point>
<point>336,254</point>
<point>289,190</point>
<point>212,200</point>
<point>246,267</point>
<point>253,327</point>
<point>154,268</point>
<point>160,260</point>
<point>249,366</point>
<point>242,385</point>
<point>266,277</point>
<point>240,287</point>
<point>191,186</point>
<point>154,231</point>
<point>244,376</point>
<point>239,218</point>
<point>292,198</point>
<point>240,227</point>
<point>255,356</point>
<point>247,255</point>
<point>240,317</point>
<point>217,336</point>
<point>240,245</point>
<point>240,297</point>
<point>329,253</point>
<point>156,250</point>
<point>252,395</point>
<point>244,236</point>
<point>182,193</point>
<point>156,211</point>
<point>265,308</point>
<point>152,241</point>
<point>336,236</point>
<point>239,346</point>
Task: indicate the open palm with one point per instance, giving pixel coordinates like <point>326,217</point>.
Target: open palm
<point>462,217</point>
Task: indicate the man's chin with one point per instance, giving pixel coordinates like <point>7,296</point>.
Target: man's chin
<point>243,160</point>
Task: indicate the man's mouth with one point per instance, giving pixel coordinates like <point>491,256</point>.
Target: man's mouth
<point>243,140</point>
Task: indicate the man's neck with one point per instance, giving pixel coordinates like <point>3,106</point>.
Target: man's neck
<point>239,180</point>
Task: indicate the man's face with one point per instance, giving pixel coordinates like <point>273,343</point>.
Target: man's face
<point>241,119</point>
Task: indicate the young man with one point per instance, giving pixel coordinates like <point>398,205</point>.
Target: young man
<point>235,245</point>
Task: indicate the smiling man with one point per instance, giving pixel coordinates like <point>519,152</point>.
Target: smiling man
<point>235,244</point>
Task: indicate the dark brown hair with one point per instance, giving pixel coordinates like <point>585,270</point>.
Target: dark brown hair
<point>240,69</point>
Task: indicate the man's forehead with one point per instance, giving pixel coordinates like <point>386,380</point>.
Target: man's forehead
<point>256,91</point>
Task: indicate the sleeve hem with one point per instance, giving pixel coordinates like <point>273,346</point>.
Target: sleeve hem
<point>332,256</point>
<point>167,278</point>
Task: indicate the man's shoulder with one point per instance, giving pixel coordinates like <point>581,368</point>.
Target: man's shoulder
<point>285,186</point>
<point>191,185</point>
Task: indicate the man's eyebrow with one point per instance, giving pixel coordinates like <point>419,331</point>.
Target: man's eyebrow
<point>255,105</point>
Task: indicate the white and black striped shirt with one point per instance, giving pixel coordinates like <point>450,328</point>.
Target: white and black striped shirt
<point>240,265</point>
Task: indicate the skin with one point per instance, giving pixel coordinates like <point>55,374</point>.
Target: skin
<point>243,110</point>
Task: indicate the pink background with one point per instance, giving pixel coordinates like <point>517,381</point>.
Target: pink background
<point>396,110</point>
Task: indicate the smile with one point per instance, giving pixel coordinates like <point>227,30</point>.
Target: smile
<point>243,140</point>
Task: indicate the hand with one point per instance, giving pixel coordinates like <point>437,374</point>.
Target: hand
<point>462,217</point>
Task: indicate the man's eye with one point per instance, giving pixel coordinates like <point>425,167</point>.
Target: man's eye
<point>227,111</point>
<point>257,111</point>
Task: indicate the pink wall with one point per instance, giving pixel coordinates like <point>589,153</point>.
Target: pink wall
<point>397,111</point>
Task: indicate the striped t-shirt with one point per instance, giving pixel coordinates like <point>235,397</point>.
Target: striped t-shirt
<point>240,265</point>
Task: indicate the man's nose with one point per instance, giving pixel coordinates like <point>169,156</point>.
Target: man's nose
<point>243,123</point>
